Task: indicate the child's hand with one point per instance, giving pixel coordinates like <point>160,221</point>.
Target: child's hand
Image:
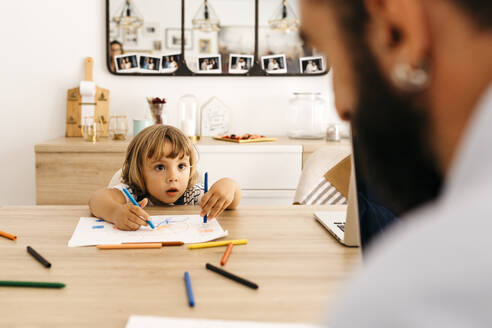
<point>129,216</point>
<point>218,198</point>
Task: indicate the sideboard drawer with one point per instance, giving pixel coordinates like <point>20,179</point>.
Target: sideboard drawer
<point>253,166</point>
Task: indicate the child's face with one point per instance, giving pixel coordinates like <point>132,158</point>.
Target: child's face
<point>167,178</point>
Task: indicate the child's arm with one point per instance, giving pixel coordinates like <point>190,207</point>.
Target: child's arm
<point>224,194</point>
<point>110,205</point>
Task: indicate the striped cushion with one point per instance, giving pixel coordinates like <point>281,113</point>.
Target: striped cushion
<point>324,194</point>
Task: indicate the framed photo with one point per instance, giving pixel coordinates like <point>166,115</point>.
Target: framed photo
<point>126,63</point>
<point>240,64</point>
<point>274,64</point>
<point>205,46</point>
<point>209,64</point>
<point>149,64</point>
<point>150,29</point>
<point>173,38</point>
<point>170,62</point>
<point>311,65</point>
<point>157,45</point>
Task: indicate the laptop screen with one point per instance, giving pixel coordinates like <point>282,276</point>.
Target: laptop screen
<point>374,217</point>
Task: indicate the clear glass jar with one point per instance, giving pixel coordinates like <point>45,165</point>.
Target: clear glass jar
<point>308,116</point>
<point>189,116</point>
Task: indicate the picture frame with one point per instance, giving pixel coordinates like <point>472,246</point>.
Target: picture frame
<point>240,64</point>
<point>209,64</point>
<point>150,29</point>
<point>126,63</point>
<point>170,62</point>
<point>312,65</point>
<point>205,46</point>
<point>173,38</point>
<point>274,64</point>
<point>157,45</point>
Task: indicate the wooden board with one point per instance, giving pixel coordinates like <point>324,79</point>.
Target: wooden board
<point>246,140</point>
<point>74,120</point>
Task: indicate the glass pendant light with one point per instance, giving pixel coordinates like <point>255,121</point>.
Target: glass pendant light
<point>206,20</point>
<point>127,18</point>
<point>284,19</point>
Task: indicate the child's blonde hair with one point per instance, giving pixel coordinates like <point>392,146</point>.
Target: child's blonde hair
<point>149,144</point>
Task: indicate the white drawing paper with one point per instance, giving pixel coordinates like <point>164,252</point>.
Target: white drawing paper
<point>189,229</point>
<point>138,321</point>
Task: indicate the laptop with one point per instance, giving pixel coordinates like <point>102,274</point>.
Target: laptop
<point>344,225</point>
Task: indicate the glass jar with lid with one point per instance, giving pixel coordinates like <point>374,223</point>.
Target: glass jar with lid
<point>189,116</point>
<point>308,116</point>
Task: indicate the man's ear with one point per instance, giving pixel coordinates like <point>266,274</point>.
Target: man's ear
<point>399,31</point>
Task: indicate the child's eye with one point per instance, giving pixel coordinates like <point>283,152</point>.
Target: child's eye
<point>159,167</point>
<point>182,166</point>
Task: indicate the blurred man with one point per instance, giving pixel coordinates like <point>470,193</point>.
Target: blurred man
<point>414,77</point>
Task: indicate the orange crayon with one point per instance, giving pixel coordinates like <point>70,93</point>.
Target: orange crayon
<point>164,243</point>
<point>131,246</point>
<point>172,243</point>
<point>226,254</point>
<point>7,235</point>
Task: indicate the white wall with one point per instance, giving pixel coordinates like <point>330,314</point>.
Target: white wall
<point>44,45</point>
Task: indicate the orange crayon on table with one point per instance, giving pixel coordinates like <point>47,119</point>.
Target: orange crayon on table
<point>7,235</point>
<point>164,243</point>
<point>226,254</point>
<point>131,246</point>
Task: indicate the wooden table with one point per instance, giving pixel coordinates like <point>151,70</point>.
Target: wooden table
<point>296,263</point>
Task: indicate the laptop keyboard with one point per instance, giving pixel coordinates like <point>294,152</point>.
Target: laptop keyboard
<point>340,226</point>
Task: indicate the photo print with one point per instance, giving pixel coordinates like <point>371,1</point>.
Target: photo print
<point>126,63</point>
<point>274,64</point>
<point>149,64</point>
<point>240,64</point>
<point>209,64</point>
<point>170,62</point>
<point>311,65</point>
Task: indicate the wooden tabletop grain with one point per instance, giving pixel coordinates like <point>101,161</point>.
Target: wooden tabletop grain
<point>297,264</point>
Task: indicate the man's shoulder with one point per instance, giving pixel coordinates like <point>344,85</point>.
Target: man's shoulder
<point>435,256</point>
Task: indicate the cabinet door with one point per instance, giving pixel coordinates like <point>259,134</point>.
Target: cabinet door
<point>254,167</point>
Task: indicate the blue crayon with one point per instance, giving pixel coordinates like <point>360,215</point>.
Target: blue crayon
<point>189,291</point>
<point>130,197</point>
<point>205,189</point>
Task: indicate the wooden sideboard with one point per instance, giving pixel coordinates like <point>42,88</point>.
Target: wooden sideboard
<point>69,170</point>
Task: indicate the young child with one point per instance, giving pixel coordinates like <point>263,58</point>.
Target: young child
<point>160,169</point>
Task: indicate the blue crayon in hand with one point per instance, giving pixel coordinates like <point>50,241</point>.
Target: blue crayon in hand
<point>130,197</point>
<point>205,189</point>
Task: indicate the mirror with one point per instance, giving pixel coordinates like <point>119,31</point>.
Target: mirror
<point>215,45</point>
<point>221,37</point>
<point>280,47</point>
<point>144,36</point>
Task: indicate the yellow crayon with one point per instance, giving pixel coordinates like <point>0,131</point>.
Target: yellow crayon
<point>218,243</point>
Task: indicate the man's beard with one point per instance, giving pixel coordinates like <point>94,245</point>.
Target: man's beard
<point>392,140</point>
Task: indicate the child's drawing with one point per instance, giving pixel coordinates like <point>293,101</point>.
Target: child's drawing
<point>186,228</point>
